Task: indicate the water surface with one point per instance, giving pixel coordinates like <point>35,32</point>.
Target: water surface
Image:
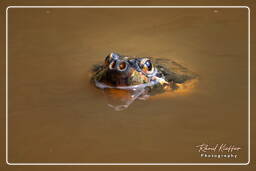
<point>56,116</point>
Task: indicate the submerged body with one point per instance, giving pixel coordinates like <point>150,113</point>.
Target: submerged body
<point>140,77</point>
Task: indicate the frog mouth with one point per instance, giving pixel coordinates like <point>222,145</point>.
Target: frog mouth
<point>131,87</point>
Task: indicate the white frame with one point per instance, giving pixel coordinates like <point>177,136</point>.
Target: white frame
<point>214,7</point>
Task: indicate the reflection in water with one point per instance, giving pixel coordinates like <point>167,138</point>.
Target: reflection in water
<point>119,98</point>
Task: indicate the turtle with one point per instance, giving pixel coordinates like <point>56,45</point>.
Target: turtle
<point>130,77</point>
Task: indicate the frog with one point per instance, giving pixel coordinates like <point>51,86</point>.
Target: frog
<point>142,77</point>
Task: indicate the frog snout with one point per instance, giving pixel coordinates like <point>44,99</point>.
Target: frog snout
<point>119,65</point>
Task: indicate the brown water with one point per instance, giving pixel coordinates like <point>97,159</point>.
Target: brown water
<point>55,115</point>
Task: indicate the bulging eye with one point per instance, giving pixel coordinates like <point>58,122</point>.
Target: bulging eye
<point>122,66</point>
<point>147,66</point>
<point>112,65</point>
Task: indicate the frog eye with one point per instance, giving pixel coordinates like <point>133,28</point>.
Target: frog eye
<point>147,66</point>
<point>112,65</point>
<point>122,66</point>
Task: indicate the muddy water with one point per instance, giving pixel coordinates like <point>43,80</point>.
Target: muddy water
<point>56,116</point>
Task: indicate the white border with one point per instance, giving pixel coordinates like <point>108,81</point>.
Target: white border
<point>249,109</point>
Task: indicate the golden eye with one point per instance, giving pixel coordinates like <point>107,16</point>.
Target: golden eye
<point>122,66</point>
